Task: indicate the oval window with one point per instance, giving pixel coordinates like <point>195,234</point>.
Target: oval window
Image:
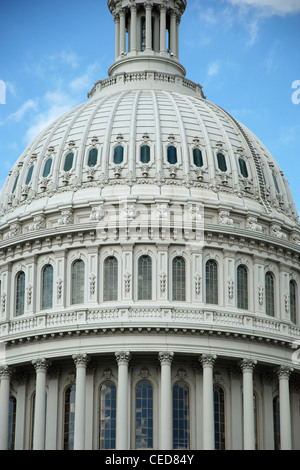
<point>29,175</point>
<point>243,167</point>
<point>172,155</point>
<point>118,155</point>
<point>69,161</point>
<point>47,167</point>
<point>197,156</point>
<point>145,154</point>
<point>221,162</point>
<point>93,157</point>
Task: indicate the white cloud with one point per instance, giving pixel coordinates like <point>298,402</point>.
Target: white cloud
<point>277,7</point>
<point>19,114</point>
<point>85,81</point>
<point>213,69</point>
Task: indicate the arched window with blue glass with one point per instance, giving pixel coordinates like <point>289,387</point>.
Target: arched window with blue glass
<point>118,155</point>
<point>178,279</point>
<point>29,175</point>
<point>69,159</point>
<point>20,293</point>
<point>219,417</point>
<point>93,158</point>
<point>243,167</point>
<point>47,167</point>
<point>197,157</point>
<point>144,415</point>
<point>47,287</point>
<point>15,184</point>
<point>108,410</point>
<point>145,154</point>
<point>276,183</point>
<point>211,281</point>
<point>293,301</point>
<point>181,415</point>
<point>145,278</point>
<point>221,162</point>
<point>242,287</point>
<point>110,287</point>
<point>69,417</point>
<point>270,294</point>
<point>77,278</point>
<point>172,155</point>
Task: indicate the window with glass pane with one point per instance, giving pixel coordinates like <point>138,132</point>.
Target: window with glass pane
<point>12,423</point>
<point>69,417</point>
<point>20,293</point>
<point>276,184</point>
<point>276,421</point>
<point>78,275</point>
<point>145,154</point>
<point>110,287</point>
<point>118,155</point>
<point>145,278</point>
<point>69,161</point>
<point>144,415</point>
<point>219,417</point>
<point>293,301</point>
<point>242,287</point>
<point>108,406</point>
<point>243,167</point>
<point>15,184</point>
<point>172,154</point>
<point>47,168</point>
<point>47,287</point>
<point>29,175</point>
<point>93,157</point>
<point>211,271</point>
<point>181,416</point>
<point>197,157</point>
<point>221,162</point>
<point>269,287</point>
<point>178,278</point>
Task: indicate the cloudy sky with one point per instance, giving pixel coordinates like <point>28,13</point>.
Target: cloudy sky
<point>245,53</point>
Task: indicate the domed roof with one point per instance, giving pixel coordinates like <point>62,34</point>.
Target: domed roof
<point>147,132</point>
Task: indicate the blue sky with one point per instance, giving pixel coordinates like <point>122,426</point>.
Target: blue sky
<point>245,53</point>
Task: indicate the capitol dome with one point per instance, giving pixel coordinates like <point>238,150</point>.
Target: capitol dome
<point>149,249</point>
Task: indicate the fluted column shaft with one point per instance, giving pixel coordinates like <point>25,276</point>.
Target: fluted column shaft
<point>166,438</point>
<point>117,36</point>
<point>123,359</point>
<point>133,43</point>
<point>148,8</point>
<point>41,367</point>
<point>122,38</point>
<point>247,367</point>
<point>5,374</point>
<point>81,361</point>
<point>207,361</point>
<point>163,27</point>
<point>173,34</point>
<point>285,409</point>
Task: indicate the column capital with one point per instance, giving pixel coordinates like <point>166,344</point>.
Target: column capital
<point>5,372</point>
<point>248,365</point>
<point>165,358</point>
<point>207,360</point>
<point>81,360</point>
<point>123,357</point>
<point>41,365</point>
<point>148,5</point>
<point>284,372</point>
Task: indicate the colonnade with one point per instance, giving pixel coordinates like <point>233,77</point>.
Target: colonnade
<point>122,435</point>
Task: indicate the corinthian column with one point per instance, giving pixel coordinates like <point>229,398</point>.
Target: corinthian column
<point>5,375</point>
<point>247,367</point>
<point>166,437</point>
<point>285,409</point>
<point>163,28</point>
<point>148,8</point>
<point>207,361</point>
<point>123,359</point>
<point>81,362</point>
<point>41,367</point>
<point>133,23</point>
<point>117,36</point>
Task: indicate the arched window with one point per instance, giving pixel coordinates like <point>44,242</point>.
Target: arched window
<point>178,278</point>
<point>47,167</point>
<point>145,278</point>
<point>93,157</point>
<point>108,407</point>
<point>243,167</point>
<point>211,271</point>
<point>293,301</point>
<point>276,183</point>
<point>221,162</point>
<point>197,157</point>
<point>145,154</point>
<point>110,288</point>
<point>78,275</point>
<point>219,417</point>
<point>12,423</point>
<point>269,288</point>
<point>276,421</point>
<point>69,161</point>
<point>172,154</point>
<point>144,415</point>
<point>242,287</point>
<point>47,287</point>
<point>118,155</point>
<point>15,184</point>
<point>29,175</point>
<point>20,293</point>
<point>69,417</point>
<point>181,416</point>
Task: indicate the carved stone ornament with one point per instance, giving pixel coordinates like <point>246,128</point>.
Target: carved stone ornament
<point>224,218</point>
<point>66,217</point>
